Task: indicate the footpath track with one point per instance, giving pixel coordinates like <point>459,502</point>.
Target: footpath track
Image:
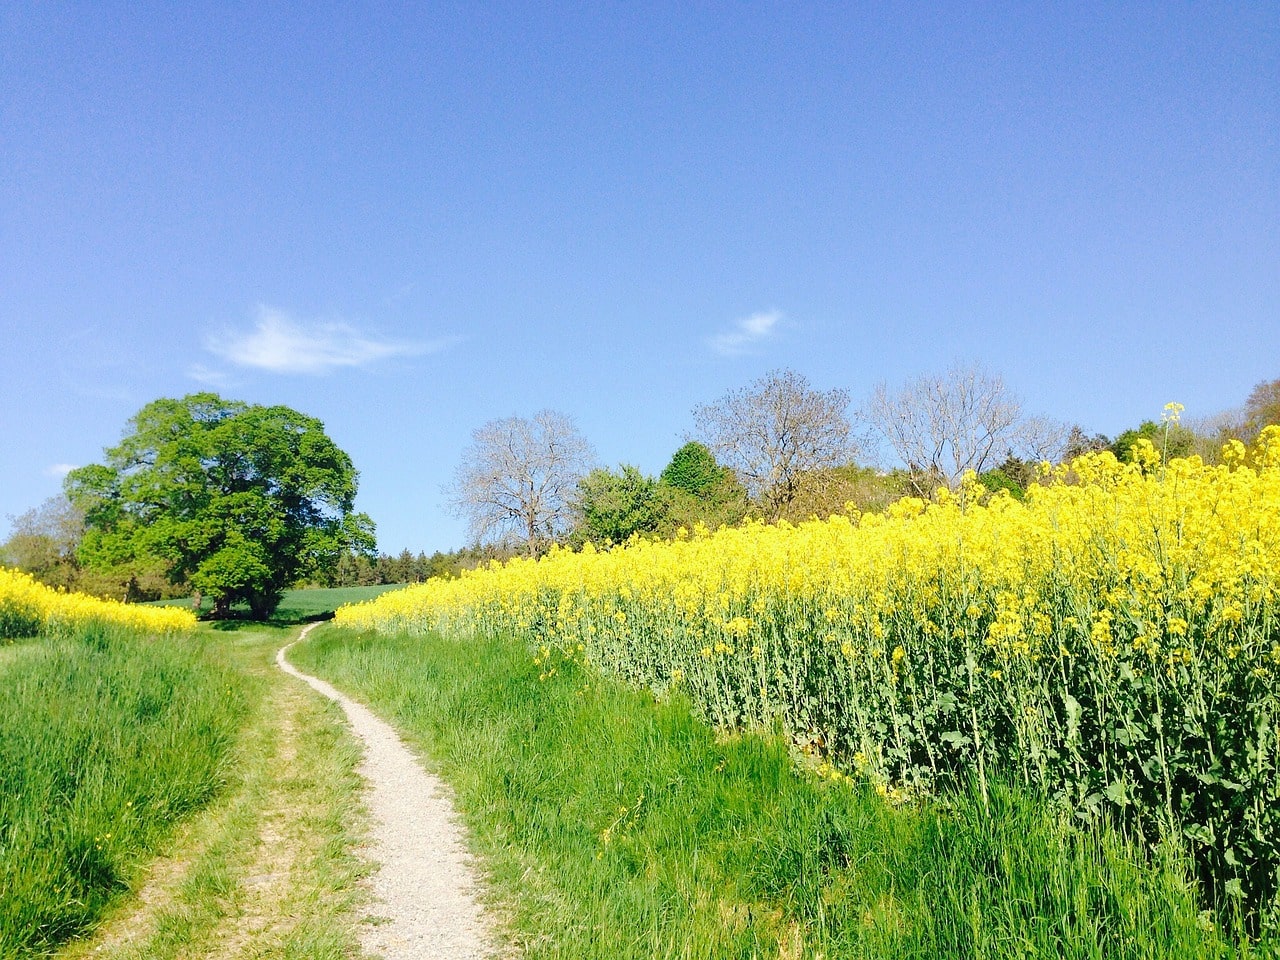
<point>425,888</point>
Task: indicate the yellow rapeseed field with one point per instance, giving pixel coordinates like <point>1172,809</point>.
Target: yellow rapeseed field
<point>1111,640</point>
<point>28,607</point>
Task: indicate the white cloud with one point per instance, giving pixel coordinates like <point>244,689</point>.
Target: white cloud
<point>208,376</point>
<point>59,469</point>
<point>745,334</point>
<point>280,344</point>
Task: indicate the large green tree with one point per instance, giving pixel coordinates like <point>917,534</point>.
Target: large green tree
<point>237,501</point>
<point>693,469</point>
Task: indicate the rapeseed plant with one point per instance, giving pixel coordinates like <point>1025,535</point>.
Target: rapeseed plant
<point>28,607</point>
<point>1112,641</point>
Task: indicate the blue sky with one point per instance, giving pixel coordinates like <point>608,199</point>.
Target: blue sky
<point>409,221</point>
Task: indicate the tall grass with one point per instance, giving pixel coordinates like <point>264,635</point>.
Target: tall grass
<point>619,826</point>
<point>107,737</point>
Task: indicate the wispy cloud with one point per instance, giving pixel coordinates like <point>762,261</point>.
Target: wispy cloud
<point>280,344</point>
<point>745,334</point>
<point>59,469</point>
<point>208,376</point>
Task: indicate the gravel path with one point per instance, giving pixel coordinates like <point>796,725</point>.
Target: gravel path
<point>426,890</point>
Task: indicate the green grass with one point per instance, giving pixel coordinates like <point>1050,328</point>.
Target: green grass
<point>301,606</point>
<point>275,852</point>
<point>614,826</point>
<point>106,740</point>
<point>13,651</point>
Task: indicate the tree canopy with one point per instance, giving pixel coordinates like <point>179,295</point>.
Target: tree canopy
<point>693,469</point>
<point>617,506</point>
<point>1262,408</point>
<point>942,425</point>
<point>519,478</point>
<point>43,542</point>
<point>774,431</point>
<point>1170,438</point>
<point>237,501</point>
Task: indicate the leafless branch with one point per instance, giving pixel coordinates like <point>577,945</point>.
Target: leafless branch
<point>774,431</point>
<point>941,426</point>
<point>517,478</point>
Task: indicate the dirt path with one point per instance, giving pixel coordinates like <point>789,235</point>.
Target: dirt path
<point>425,887</point>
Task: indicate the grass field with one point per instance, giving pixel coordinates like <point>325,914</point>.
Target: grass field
<point>13,652</point>
<point>300,606</point>
<point>107,738</point>
<point>618,826</point>
<point>268,869</point>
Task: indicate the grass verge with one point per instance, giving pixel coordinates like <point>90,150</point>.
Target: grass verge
<point>614,826</point>
<point>268,869</point>
<point>106,740</point>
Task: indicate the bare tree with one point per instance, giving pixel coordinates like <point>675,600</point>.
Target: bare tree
<point>941,426</point>
<point>774,431</point>
<point>44,540</point>
<point>519,478</point>
<point>1262,408</point>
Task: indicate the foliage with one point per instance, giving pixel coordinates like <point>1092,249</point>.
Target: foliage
<point>1261,409</point>
<point>43,542</point>
<point>238,500</point>
<point>519,477</point>
<point>28,608</point>
<point>1000,480</point>
<point>774,431</point>
<point>694,469</point>
<point>698,490</point>
<point>944,426</point>
<point>822,493</point>
<point>687,512</point>
<point>1171,439</point>
<point>1211,433</point>
<point>106,740</point>
<point>672,840</point>
<point>1112,641</point>
<point>616,506</point>
<point>355,569</point>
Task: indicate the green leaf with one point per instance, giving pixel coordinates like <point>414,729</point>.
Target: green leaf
<point>1117,793</point>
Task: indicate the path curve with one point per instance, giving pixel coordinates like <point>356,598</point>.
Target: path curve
<point>424,884</point>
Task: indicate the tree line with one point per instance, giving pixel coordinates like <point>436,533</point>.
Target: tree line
<point>239,502</point>
<point>357,569</point>
<point>781,449</point>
